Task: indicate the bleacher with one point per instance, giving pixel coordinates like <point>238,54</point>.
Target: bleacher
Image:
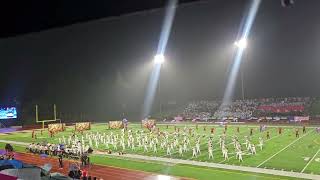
<point>263,109</point>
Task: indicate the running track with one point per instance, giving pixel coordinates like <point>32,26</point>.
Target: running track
<point>102,172</point>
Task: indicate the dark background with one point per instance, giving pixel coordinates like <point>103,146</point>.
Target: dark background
<point>101,68</point>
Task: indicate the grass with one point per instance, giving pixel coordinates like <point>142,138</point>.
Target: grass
<point>195,172</point>
<point>287,152</point>
<point>189,171</point>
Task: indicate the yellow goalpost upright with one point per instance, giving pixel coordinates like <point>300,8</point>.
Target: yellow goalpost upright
<point>45,121</point>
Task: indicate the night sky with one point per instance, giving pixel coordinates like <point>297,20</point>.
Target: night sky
<point>102,67</point>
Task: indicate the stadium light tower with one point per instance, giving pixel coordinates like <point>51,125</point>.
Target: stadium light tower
<point>158,61</point>
<point>159,58</point>
<point>244,32</point>
<point>242,45</point>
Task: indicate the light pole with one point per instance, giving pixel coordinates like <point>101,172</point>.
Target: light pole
<point>158,61</point>
<point>242,87</point>
<point>160,105</point>
<point>242,45</point>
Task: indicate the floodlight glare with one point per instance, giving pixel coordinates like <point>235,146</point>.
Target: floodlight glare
<point>158,59</point>
<point>242,43</point>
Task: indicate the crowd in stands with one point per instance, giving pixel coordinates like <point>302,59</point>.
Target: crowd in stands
<point>246,109</point>
<point>200,109</point>
<point>242,109</point>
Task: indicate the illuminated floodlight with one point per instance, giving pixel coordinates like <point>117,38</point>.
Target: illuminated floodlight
<point>158,59</point>
<point>242,43</point>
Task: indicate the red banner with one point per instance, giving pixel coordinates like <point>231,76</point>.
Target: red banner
<point>281,109</point>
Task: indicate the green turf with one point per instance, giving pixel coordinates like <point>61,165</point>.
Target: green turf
<point>196,172</point>
<point>182,170</point>
<point>292,154</point>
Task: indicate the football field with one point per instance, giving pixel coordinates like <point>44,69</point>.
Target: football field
<point>284,152</point>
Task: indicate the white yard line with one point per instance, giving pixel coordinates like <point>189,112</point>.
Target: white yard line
<point>222,166</point>
<point>283,149</point>
<point>14,142</point>
<point>272,138</point>
<point>226,160</point>
<point>310,161</point>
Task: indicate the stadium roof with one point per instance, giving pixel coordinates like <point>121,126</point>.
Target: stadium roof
<point>20,17</point>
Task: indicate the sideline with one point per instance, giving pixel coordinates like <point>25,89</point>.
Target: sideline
<point>14,142</point>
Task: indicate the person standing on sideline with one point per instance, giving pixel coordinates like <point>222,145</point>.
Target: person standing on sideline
<point>60,156</point>
<point>297,133</point>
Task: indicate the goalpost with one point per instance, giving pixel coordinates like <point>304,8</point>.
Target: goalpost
<point>50,120</point>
